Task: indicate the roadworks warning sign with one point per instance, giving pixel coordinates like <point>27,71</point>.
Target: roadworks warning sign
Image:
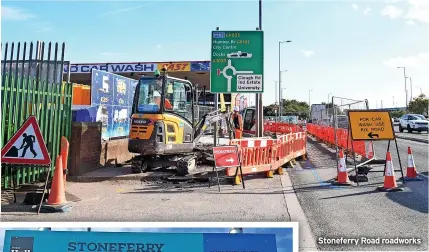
<point>370,125</point>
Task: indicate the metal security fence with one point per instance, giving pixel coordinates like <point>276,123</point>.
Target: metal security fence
<point>31,84</point>
<point>338,119</point>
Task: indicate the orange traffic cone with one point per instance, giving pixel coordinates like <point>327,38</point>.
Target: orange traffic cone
<point>57,197</point>
<point>411,168</point>
<point>342,177</point>
<point>370,151</point>
<point>389,176</point>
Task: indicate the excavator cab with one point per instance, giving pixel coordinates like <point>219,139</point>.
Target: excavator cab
<point>162,116</point>
<point>249,121</point>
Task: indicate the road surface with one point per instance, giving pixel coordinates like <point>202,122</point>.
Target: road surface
<point>417,135</point>
<point>356,212</point>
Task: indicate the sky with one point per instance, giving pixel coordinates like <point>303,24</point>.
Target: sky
<point>341,48</point>
<point>283,236</point>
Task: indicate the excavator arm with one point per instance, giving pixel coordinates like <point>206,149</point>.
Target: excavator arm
<point>209,119</point>
<point>212,117</point>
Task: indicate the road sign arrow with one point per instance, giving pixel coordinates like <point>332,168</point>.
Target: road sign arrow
<point>230,160</point>
<point>371,135</point>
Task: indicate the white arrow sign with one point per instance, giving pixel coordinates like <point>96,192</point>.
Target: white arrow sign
<point>230,160</point>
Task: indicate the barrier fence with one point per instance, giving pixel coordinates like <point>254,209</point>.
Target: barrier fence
<point>32,85</point>
<point>268,155</point>
<point>327,135</point>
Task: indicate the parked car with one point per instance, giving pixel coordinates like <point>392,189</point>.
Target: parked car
<point>413,122</point>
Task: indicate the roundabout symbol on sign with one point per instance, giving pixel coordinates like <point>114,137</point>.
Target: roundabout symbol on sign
<point>234,72</point>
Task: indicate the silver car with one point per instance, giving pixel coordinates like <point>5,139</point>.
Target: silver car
<point>413,122</point>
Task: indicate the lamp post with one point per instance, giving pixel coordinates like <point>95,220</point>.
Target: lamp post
<point>309,101</point>
<point>327,113</point>
<point>406,92</point>
<point>258,97</point>
<point>411,89</point>
<point>280,73</point>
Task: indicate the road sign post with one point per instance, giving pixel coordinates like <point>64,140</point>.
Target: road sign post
<point>237,62</point>
<point>225,157</point>
<point>26,147</point>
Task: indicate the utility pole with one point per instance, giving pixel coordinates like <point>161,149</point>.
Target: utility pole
<point>280,75</point>
<point>393,97</point>
<point>411,89</point>
<point>406,92</point>
<point>275,103</point>
<point>309,102</point>
<point>258,97</point>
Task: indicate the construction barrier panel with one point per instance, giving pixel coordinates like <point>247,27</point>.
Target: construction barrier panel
<point>326,134</point>
<point>267,155</point>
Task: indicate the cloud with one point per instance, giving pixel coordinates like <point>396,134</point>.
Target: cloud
<point>410,22</point>
<point>308,53</point>
<point>355,6</point>
<point>367,11</point>
<point>15,14</point>
<point>419,10</point>
<point>420,60</point>
<point>392,12</point>
<point>158,46</point>
<point>126,9</point>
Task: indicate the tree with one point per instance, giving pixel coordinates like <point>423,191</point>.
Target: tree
<point>290,107</point>
<point>397,114</point>
<point>419,105</point>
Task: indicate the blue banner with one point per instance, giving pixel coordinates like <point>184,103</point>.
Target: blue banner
<point>239,242</point>
<point>70,241</point>
<point>200,66</point>
<point>44,241</point>
<point>111,101</point>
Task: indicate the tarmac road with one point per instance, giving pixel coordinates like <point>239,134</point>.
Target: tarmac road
<point>420,154</point>
<point>356,212</point>
<point>417,135</point>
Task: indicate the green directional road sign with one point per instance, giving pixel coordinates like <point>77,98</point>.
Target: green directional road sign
<point>237,62</point>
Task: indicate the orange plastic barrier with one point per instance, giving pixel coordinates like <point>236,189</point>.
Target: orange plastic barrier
<point>267,155</point>
<point>81,94</point>
<point>327,135</point>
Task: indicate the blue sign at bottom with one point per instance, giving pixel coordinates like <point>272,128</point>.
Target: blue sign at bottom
<point>70,241</point>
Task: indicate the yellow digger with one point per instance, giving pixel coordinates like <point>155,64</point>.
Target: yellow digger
<point>164,129</point>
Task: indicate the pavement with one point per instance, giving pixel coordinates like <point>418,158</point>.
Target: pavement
<point>360,211</point>
<point>415,136</point>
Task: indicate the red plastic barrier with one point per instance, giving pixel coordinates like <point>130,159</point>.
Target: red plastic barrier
<point>327,134</point>
<point>264,155</point>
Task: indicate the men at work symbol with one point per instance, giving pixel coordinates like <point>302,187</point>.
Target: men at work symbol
<point>28,142</point>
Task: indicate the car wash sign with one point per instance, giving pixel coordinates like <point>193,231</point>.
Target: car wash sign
<point>71,241</point>
<point>113,67</point>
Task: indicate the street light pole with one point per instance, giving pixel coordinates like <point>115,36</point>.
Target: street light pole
<point>258,97</point>
<point>280,75</point>
<point>309,97</point>
<point>406,92</point>
<point>411,89</point>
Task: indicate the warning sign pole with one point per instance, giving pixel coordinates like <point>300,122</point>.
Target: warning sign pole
<point>26,147</point>
<point>372,125</point>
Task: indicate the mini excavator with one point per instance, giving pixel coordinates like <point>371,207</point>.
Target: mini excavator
<point>164,130</point>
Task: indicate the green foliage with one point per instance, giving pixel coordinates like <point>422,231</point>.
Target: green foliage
<point>397,114</point>
<point>419,105</point>
<point>290,107</point>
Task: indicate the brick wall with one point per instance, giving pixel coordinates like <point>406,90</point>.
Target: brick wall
<point>89,153</point>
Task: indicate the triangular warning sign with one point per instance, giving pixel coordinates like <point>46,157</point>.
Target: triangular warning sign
<point>26,146</point>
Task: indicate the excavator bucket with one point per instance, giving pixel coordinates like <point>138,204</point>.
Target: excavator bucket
<point>222,103</point>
